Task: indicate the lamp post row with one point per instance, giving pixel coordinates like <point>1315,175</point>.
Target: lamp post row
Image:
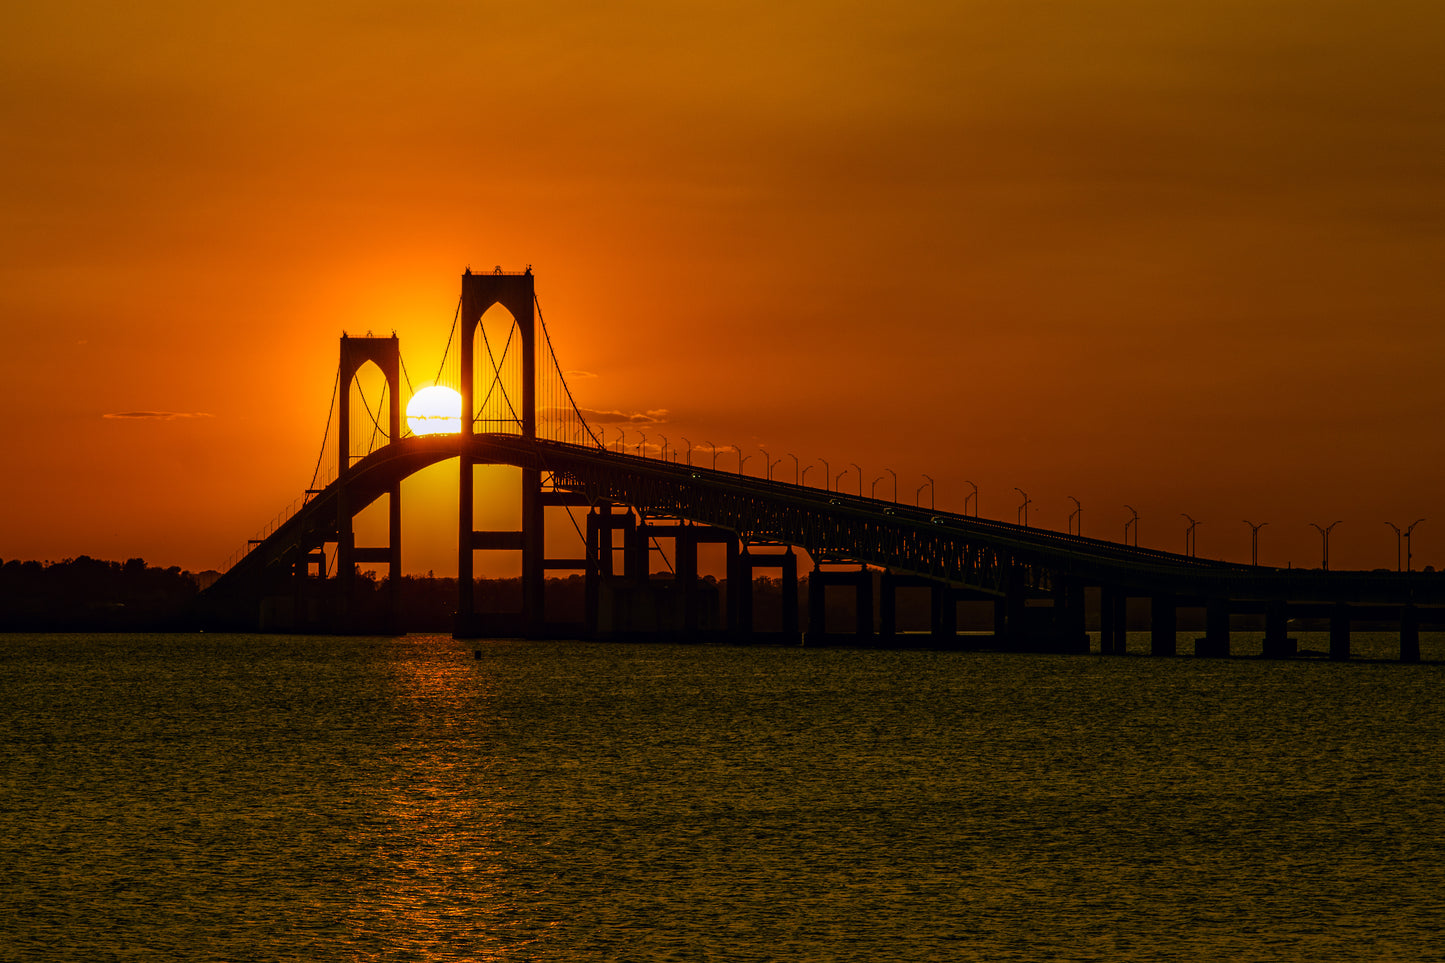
<point>800,471</point>
<point>1404,553</point>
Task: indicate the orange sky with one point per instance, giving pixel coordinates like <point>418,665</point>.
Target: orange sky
<point>1182,256</point>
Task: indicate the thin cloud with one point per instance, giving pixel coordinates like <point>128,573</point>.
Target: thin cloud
<point>156,415</point>
<point>577,375</point>
<point>655,416</point>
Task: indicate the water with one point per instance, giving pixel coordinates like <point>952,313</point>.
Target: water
<point>280,798</point>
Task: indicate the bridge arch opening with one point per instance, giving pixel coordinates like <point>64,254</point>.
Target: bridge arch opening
<point>498,375</point>
<point>368,396</point>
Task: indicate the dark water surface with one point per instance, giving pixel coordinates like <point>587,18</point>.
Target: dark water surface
<point>224,797</point>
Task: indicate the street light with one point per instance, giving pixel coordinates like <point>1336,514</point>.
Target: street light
<point>689,451</point>
<point>1406,533</point>
<point>663,454</point>
<point>1325,539</point>
<point>714,454</point>
<point>895,483</point>
<point>860,478</point>
<point>1191,545</point>
<point>1135,522</point>
<point>1254,540</point>
<point>827,474</point>
<point>796,475</point>
<point>873,489</point>
<point>1078,513</point>
<point>803,478</point>
<point>1023,511</point>
<point>974,495</point>
<point>767,472</point>
<point>772,466</point>
<point>642,445</point>
<point>742,459</point>
<point>838,482</point>
<point>932,492</point>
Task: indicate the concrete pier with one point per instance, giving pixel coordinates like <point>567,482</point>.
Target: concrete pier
<point>1215,643</point>
<point>741,592</point>
<point>1163,626</point>
<point>1340,632</point>
<point>943,609</point>
<point>1113,620</point>
<point>861,581</point>
<point>1277,643</point>
<point>1409,634</point>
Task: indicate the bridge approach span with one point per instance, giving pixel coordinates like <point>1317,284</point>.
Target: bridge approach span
<point>980,554</point>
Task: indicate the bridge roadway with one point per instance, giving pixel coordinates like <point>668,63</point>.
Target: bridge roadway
<point>981,554</point>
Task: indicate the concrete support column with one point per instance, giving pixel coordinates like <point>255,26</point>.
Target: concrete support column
<point>345,561</point>
<point>534,575</point>
<point>1409,634</point>
<point>609,604</point>
<point>1216,630</point>
<point>1015,618</point>
<point>863,608</point>
<point>888,609</point>
<point>733,622</point>
<point>595,569</point>
<point>686,579</point>
<point>945,615</point>
<point>817,608</point>
<point>393,562</point>
<point>1121,624</point>
<point>1277,643</point>
<point>1106,619</point>
<point>1162,625</point>
<point>1112,605</point>
<point>790,597</point>
<point>744,595</point>
<point>1340,632</point>
<point>637,550</point>
<point>1069,617</point>
<point>466,584</point>
<point>862,585</point>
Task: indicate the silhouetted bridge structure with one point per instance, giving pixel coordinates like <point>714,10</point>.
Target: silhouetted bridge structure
<point>1036,579</point>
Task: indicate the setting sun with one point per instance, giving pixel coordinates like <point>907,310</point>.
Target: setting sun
<point>435,411</point>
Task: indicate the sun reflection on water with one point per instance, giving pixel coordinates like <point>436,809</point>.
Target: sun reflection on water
<point>440,882</point>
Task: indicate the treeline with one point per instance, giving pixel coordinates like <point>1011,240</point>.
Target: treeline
<point>88,594</point>
<point>92,595</point>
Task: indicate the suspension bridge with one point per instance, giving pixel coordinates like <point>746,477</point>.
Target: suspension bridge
<point>626,508</point>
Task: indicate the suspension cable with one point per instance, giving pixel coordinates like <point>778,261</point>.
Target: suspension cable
<point>642,520</point>
<point>316,473</point>
<point>567,391</point>
<point>376,417</point>
<point>552,480</point>
<point>561,378</point>
<point>376,428</point>
<point>405,376</point>
<point>441,368</point>
<point>497,370</point>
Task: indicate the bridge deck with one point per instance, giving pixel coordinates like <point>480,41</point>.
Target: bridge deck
<point>983,554</point>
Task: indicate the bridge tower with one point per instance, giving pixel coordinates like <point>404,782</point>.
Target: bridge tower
<point>385,353</point>
<point>515,293</point>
